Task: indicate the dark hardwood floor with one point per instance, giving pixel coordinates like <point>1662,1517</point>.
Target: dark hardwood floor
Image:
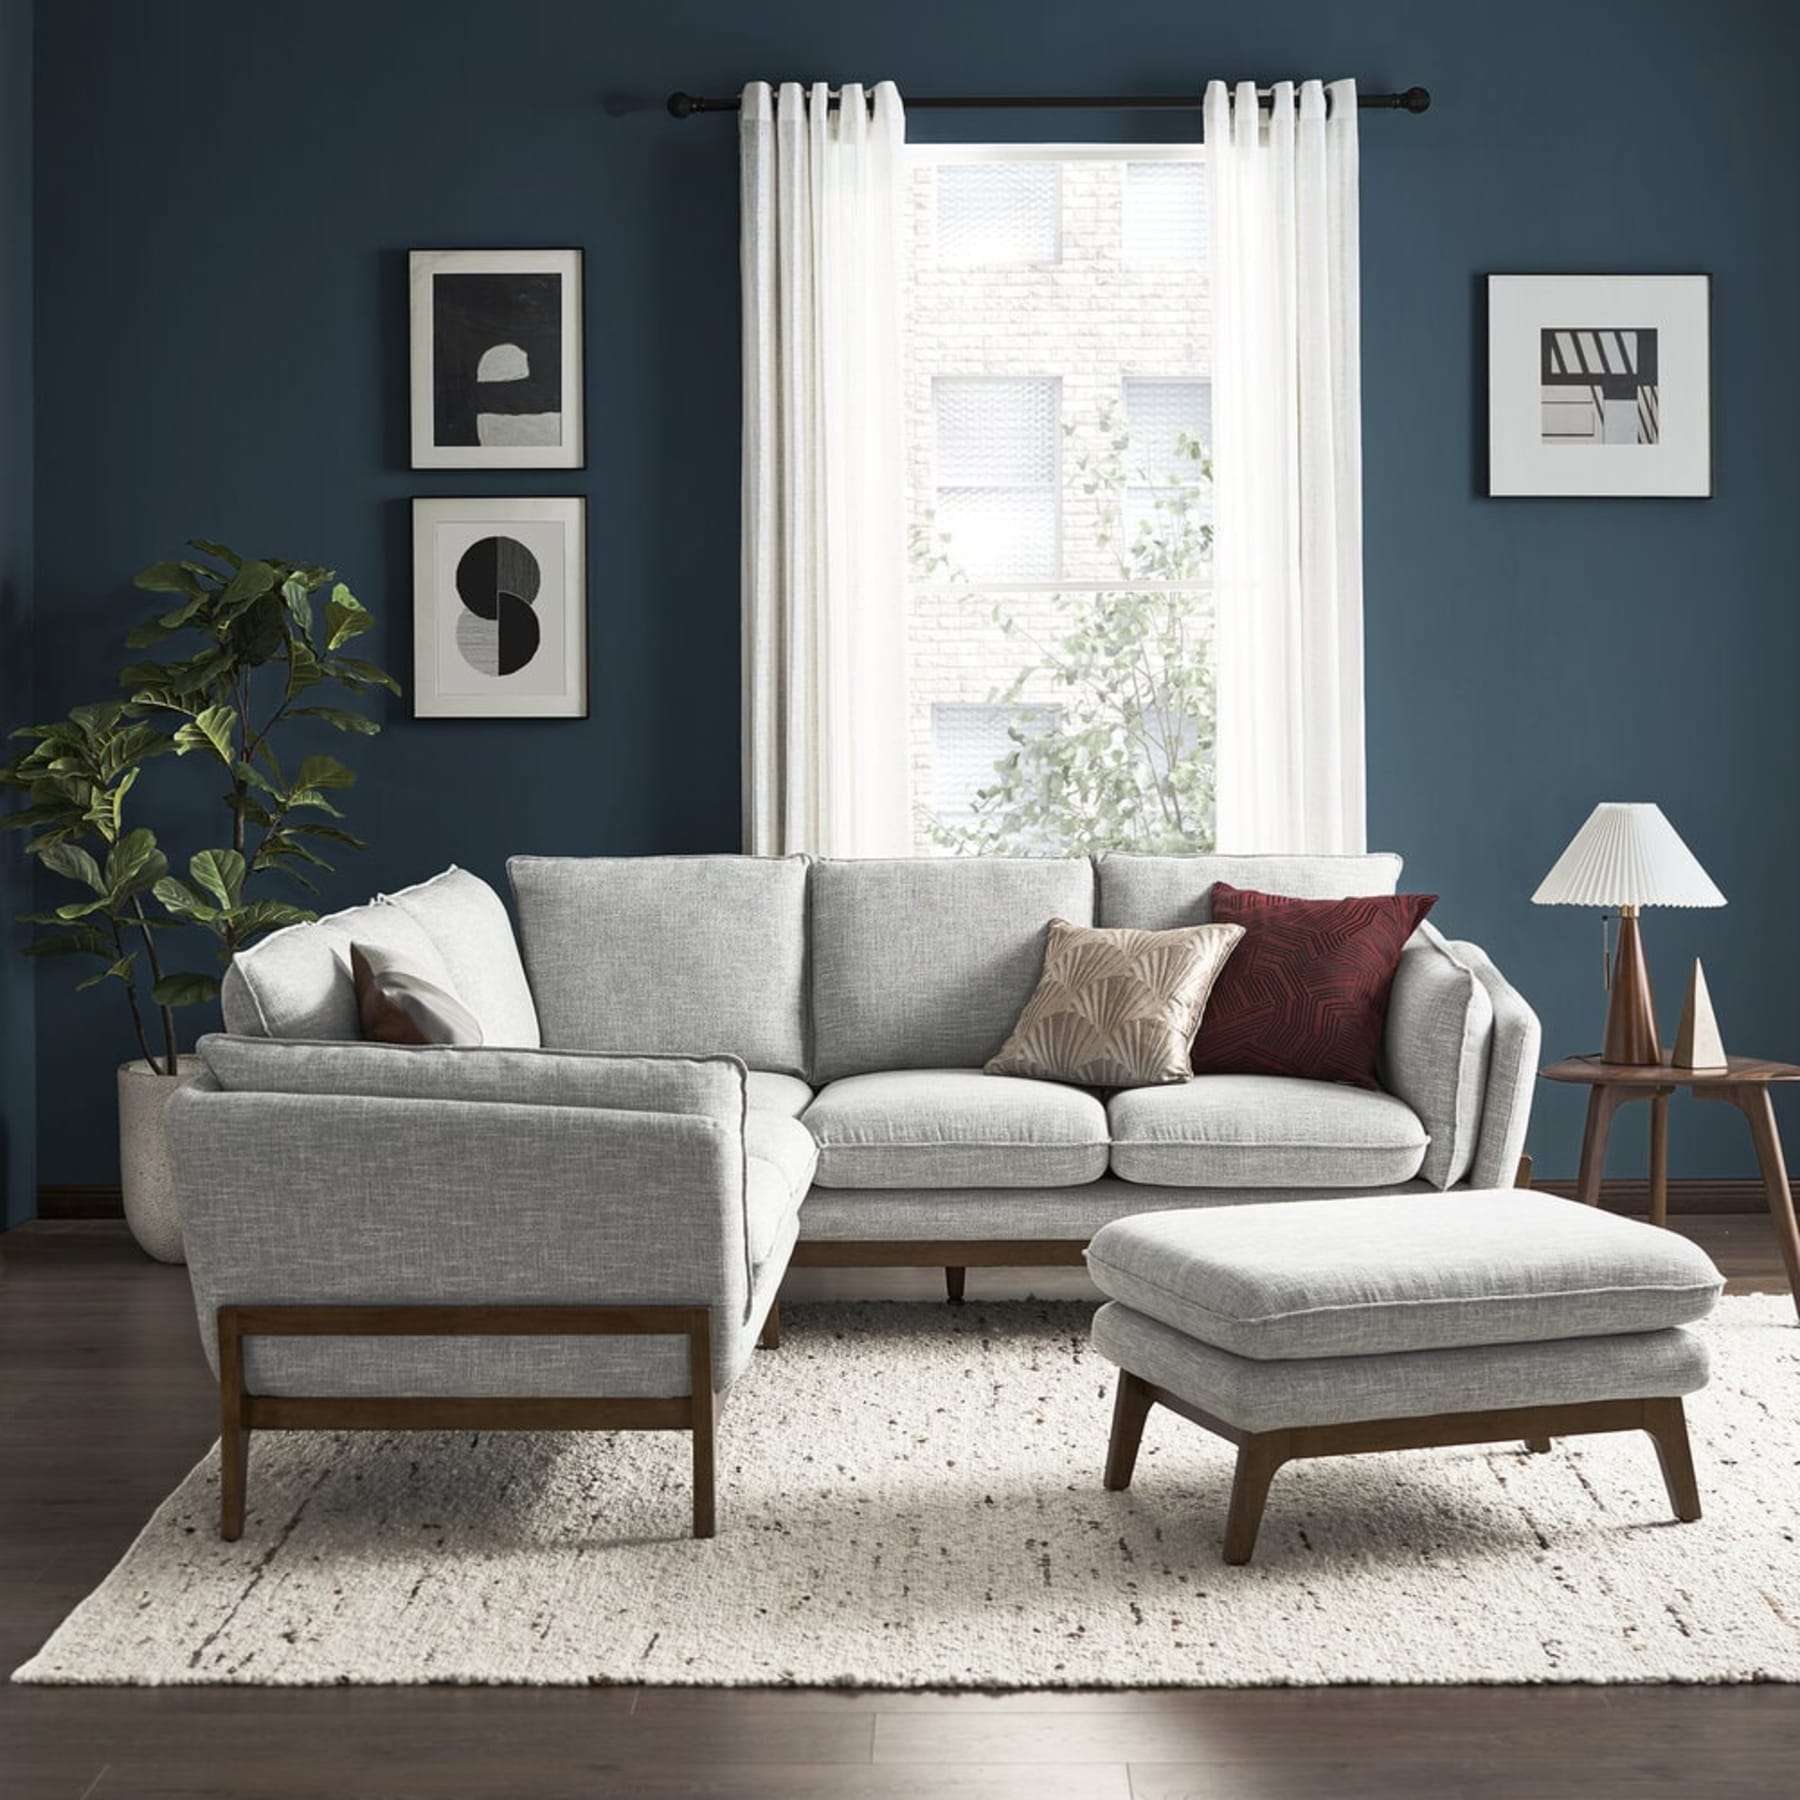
<point>105,1403</point>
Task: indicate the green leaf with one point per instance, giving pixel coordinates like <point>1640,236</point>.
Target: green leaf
<point>340,717</point>
<point>210,728</point>
<point>168,578</point>
<point>353,672</point>
<point>207,547</point>
<point>220,872</point>
<point>79,909</point>
<point>294,592</point>
<point>75,863</point>
<point>135,863</point>
<point>68,943</point>
<point>332,833</point>
<point>323,772</point>
<point>183,902</point>
<point>345,617</point>
<point>270,915</point>
<point>309,797</point>
<point>185,990</point>
<point>141,637</point>
<point>251,582</point>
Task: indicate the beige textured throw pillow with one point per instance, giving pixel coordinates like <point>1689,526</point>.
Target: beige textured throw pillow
<point>1116,1008</point>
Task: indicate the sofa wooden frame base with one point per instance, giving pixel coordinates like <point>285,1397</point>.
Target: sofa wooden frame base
<point>1261,1453</point>
<point>241,1412</point>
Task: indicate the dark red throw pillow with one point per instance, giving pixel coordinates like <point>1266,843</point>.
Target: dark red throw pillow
<point>1306,991</point>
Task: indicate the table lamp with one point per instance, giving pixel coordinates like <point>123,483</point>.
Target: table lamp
<point>1628,856</point>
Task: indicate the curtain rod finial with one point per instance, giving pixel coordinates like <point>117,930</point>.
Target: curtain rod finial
<point>681,105</point>
<point>1414,100</point>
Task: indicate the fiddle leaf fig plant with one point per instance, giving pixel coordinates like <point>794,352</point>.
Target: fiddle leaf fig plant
<point>260,644</point>
<point>265,653</point>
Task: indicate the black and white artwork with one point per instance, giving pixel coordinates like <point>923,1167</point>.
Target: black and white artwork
<point>1580,406</point>
<point>496,359</point>
<point>1599,386</point>
<point>499,609</point>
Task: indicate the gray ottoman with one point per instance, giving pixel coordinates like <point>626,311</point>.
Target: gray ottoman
<point>1332,1327</point>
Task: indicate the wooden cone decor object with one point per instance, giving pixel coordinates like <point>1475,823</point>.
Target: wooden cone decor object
<point>1631,1035</point>
<point>1698,1044</point>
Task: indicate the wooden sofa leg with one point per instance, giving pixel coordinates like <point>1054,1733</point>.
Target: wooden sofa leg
<point>234,1436</point>
<point>953,1284</point>
<point>1259,1456</point>
<point>1667,1426</point>
<point>703,1415</point>
<point>769,1338</point>
<point>1538,1446</point>
<point>1522,1175</point>
<point>1131,1407</point>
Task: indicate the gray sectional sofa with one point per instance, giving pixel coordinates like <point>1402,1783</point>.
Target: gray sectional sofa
<point>699,1071</point>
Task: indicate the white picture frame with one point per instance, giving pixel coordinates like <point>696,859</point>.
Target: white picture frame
<point>1600,386</point>
<point>496,359</point>
<point>499,608</point>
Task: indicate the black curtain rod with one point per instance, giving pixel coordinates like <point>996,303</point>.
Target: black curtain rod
<point>1414,100</point>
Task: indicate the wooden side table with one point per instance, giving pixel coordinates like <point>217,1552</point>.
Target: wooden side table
<point>1744,1082</point>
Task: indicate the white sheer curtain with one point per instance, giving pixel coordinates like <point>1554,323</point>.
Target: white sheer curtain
<point>1287,459</point>
<point>826,767</point>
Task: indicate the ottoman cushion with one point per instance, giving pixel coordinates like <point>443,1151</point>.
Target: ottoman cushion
<point>1369,1276</point>
<point>1408,1384</point>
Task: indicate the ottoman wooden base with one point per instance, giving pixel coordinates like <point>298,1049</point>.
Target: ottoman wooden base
<point>1261,1453</point>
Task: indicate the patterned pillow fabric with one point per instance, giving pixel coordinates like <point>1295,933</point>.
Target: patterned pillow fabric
<point>395,1006</point>
<point>1116,1008</point>
<point>1306,993</point>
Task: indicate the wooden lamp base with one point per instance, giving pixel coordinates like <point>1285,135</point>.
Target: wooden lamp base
<point>1631,1034</point>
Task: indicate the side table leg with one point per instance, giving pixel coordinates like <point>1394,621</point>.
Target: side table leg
<point>1659,1158</point>
<point>1603,1102</point>
<point>1759,1109</point>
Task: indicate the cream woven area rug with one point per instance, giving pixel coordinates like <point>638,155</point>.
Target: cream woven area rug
<point>910,1497</point>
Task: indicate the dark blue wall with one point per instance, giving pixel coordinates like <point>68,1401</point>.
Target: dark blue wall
<point>226,194</point>
<point>18,1054</point>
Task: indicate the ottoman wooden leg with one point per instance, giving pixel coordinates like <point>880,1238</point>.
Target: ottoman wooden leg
<point>1259,1456</point>
<point>1538,1446</point>
<point>954,1279</point>
<point>1667,1426</point>
<point>1131,1408</point>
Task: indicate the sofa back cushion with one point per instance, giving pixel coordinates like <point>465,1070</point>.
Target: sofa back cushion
<point>927,963</point>
<point>1160,893</point>
<point>297,983</point>
<point>681,955</point>
<point>712,1086</point>
<point>469,924</point>
<point>452,930</point>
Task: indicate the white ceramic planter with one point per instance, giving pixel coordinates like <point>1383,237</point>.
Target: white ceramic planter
<point>145,1176</point>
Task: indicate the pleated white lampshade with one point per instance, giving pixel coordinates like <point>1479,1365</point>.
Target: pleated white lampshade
<point>1627,854</point>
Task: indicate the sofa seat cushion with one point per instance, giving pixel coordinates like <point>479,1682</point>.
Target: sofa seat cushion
<point>785,1145</point>
<point>787,1095</point>
<point>955,1128</point>
<point>1383,1273</point>
<point>770,1204</point>
<point>1264,1131</point>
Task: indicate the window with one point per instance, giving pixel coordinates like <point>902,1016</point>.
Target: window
<point>1170,427</point>
<point>996,443</point>
<point>1165,212</point>
<point>969,744</point>
<point>1058,420</point>
<point>999,213</point>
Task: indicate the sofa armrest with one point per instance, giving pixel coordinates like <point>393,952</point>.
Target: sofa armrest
<point>1511,1077</point>
<point>350,1199</point>
<point>1435,1050</point>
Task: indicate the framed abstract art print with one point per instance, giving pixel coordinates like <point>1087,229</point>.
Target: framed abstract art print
<point>496,359</point>
<point>499,609</point>
<point>1600,385</point>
